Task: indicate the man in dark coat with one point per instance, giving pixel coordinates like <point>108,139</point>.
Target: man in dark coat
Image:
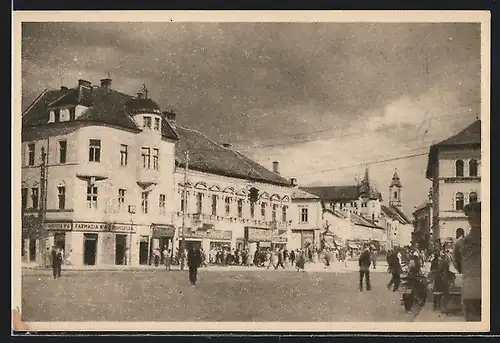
<point>395,270</point>
<point>193,261</point>
<point>364,269</point>
<point>56,255</point>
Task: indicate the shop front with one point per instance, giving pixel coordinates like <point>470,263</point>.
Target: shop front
<point>207,237</point>
<point>123,243</point>
<point>279,240</point>
<point>162,236</point>
<point>258,239</point>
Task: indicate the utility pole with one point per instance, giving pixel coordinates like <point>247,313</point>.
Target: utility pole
<point>42,211</point>
<point>184,202</point>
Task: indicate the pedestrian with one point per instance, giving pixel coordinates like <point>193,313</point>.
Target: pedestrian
<point>292,257</point>
<point>193,262</point>
<point>364,262</point>
<point>374,259</point>
<point>301,261</point>
<point>56,255</point>
<point>467,261</point>
<point>167,259</point>
<point>281,259</point>
<point>395,270</point>
<point>441,283</point>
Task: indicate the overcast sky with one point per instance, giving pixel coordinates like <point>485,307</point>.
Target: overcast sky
<point>323,99</point>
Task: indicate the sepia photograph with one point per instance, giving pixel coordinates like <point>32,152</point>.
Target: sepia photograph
<point>300,171</point>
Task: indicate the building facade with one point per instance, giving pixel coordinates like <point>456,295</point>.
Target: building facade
<point>306,220</point>
<point>454,169</point>
<point>101,174</point>
<point>422,226</point>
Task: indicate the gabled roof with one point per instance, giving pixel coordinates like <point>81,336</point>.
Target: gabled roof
<point>299,194</point>
<point>358,220</point>
<point>107,106</point>
<point>208,156</point>
<point>340,193</point>
<point>469,137</point>
<point>334,193</point>
<point>422,206</point>
<point>395,213</point>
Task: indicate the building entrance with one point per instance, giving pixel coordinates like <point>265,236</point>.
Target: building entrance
<point>120,249</point>
<point>60,240</point>
<point>144,250</point>
<point>89,249</point>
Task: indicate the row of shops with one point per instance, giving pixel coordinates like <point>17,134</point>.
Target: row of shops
<point>97,243</point>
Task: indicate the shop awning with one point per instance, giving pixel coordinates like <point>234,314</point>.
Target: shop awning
<point>353,246</point>
<point>163,230</point>
<point>265,244</point>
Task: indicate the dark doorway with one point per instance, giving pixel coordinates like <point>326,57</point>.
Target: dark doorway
<point>144,250</point>
<point>60,240</point>
<point>120,247</point>
<point>89,249</point>
<point>32,249</point>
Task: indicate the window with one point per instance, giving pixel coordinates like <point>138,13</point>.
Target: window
<point>144,202</point>
<point>373,217</point>
<point>214,205</point>
<point>123,155</point>
<point>459,201</point>
<point>228,206</point>
<point>459,168</point>
<point>62,151</point>
<point>395,195</point>
<point>240,208</point>
<point>199,203</point>
<point>459,233</point>
<point>156,154</point>
<point>146,157</point>
<point>283,213</point>
<point>61,197</point>
<point>34,197</point>
<point>31,154</point>
<point>157,124</point>
<point>121,199</point>
<point>147,123</point>
<point>252,210</point>
<point>473,168</point>
<point>273,213</point>
<point>263,210</point>
<point>24,198</point>
<point>183,196</point>
<point>57,116</point>
<point>161,203</point>
<point>92,197</point>
<point>95,150</point>
<point>472,197</point>
<point>304,215</point>
<point>72,113</point>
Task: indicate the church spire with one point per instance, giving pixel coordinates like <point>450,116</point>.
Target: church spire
<point>395,190</point>
<point>365,184</point>
<point>395,180</point>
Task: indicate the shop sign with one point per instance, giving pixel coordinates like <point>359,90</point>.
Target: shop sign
<point>224,235</point>
<point>57,226</point>
<point>163,231</point>
<point>280,239</point>
<point>122,227</point>
<point>90,226</point>
<point>260,235</point>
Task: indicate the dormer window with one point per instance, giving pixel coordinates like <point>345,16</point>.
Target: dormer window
<point>157,124</point>
<point>57,116</point>
<point>72,113</point>
<point>147,122</point>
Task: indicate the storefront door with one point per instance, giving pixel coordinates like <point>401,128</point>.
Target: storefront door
<point>60,240</point>
<point>89,249</point>
<point>144,250</point>
<point>120,248</point>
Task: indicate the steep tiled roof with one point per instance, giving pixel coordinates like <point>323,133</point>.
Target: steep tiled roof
<point>340,193</point>
<point>468,137</point>
<point>334,192</point>
<point>358,220</point>
<point>208,156</point>
<point>300,194</point>
<point>108,106</point>
<point>395,213</point>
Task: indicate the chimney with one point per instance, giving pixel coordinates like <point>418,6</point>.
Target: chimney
<point>170,117</point>
<point>106,83</point>
<point>140,95</point>
<point>276,167</point>
<point>84,83</point>
<point>293,182</point>
<point>64,88</point>
<point>226,145</point>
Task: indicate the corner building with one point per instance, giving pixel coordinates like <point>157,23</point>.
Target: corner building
<point>110,194</point>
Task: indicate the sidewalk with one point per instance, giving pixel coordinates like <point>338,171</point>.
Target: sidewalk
<point>427,314</point>
<point>336,267</point>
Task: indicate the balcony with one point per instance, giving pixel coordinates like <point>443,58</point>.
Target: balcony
<point>94,170</point>
<point>147,177</point>
<point>201,218</point>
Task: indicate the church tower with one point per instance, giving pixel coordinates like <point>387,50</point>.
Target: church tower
<point>395,191</point>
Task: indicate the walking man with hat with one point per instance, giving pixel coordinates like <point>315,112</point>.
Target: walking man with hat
<point>467,261</point>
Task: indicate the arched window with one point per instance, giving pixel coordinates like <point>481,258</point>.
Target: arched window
<point>460,233</point>
<point>395,195</point>
<point>472,197</point>
<point>459,168</point>
<point>459,201</point>
<point>473,168</point>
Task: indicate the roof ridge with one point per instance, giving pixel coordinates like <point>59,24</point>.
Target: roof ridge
<point>35,101</point>
<point>62,96</point>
